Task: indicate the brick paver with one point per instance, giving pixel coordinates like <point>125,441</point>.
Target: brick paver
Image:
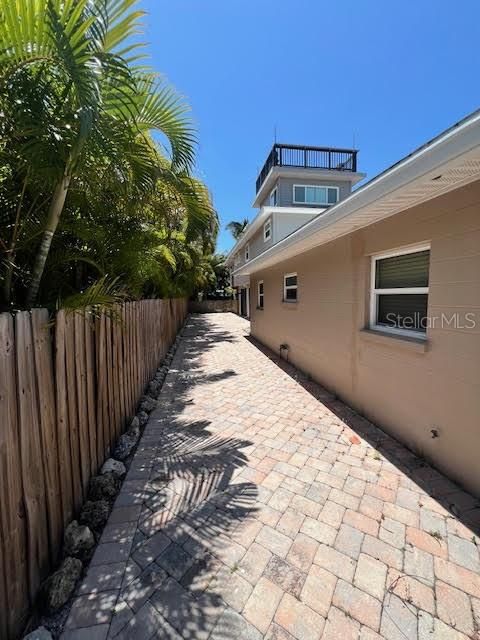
<point>258,506</point>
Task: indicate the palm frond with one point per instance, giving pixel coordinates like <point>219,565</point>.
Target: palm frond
<point>237,228</point>
<point>24,34</point>
<point>161,109</point>
<point>123,25</point>
<point>166,254</point>
<point>100,296</point>
<point>74,102</point>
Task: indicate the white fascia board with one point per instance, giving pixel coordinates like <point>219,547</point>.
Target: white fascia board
<point>462,140</point>
<point>261,218</point>
<point>298,210</point>
<point>249,230</point>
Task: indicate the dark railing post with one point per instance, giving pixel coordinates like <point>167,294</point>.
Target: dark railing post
<point>308,157</point>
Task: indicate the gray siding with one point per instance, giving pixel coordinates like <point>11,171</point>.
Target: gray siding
<point>285,190</point>
<point>282,225</point>
<point>257,245</point>
<point>287,223</point>
<point>239,258</point>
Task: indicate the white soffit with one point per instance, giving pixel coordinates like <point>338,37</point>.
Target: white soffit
<point>451,161</point>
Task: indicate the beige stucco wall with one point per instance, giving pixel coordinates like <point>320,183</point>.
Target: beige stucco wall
<point>406,389</point>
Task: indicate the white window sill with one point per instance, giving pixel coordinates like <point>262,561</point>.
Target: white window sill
<point>410,343</point>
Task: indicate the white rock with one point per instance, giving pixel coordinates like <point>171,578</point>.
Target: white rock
<point>78,540</point>
<point>134,428</point>
<point>125,445</point>
<point>147,404</point>
<point>142,417</point>
<point>114,466</point>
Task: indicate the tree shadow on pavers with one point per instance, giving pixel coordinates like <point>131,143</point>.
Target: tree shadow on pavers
<point>193,506</point>
<point>459,503</point>
<point>179,588</point>
<point>175,390</point>
<point>187,379</point>
<point>200,330</point>
<point>193,353</point>
<point>191,465</point>
<point>201,334</point>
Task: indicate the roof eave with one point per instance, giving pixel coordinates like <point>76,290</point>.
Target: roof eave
<point>422,167</point>
<point>261,217</point>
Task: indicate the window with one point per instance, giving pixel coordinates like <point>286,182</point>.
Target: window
<point>290,287</point>
<point>272,201</point>
<point>260,294</point>
<point>247,252</point>
<point>267,230</point>
<point>399,291</point>
<point>304,194</point>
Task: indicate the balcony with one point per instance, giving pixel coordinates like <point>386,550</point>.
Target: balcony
<point>289,155</point>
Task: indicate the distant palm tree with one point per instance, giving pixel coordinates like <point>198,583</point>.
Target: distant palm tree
<point>237,228</point>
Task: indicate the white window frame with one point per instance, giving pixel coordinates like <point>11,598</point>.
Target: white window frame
<point>267,226</point>
<point>260,295</point>
<point>374,293</point>
<point>319,186</point>
<point>273,191</point>
<point>247,252</point>
<point>290,286</point>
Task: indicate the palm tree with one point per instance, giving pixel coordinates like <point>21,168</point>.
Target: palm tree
<point>151,242</point>
<point>221,271</point>
<point>237,228</point>
<point>76,56</point>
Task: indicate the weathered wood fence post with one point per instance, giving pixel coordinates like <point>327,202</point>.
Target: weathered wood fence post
<point>68,389</point>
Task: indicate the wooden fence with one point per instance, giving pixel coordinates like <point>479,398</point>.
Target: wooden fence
<point>68,389</point>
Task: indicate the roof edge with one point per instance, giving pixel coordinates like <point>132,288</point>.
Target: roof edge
<point>395,177</point>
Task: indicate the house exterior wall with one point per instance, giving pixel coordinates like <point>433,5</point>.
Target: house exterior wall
<point>239,259</point>
<point>285,190</point>
<point>286,223</point>
<point>257,244</point>
<point>283,223</point>
<point>407,388</point>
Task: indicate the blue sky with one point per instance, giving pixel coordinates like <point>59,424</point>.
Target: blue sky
<point>389,75</point>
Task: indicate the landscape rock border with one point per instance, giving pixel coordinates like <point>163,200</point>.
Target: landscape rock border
<point>81,536</point>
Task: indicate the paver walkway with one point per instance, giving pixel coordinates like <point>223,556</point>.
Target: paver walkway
<point>253,510</point>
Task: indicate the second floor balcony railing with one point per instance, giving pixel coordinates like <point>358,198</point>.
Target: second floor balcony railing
<point>288,155</point>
